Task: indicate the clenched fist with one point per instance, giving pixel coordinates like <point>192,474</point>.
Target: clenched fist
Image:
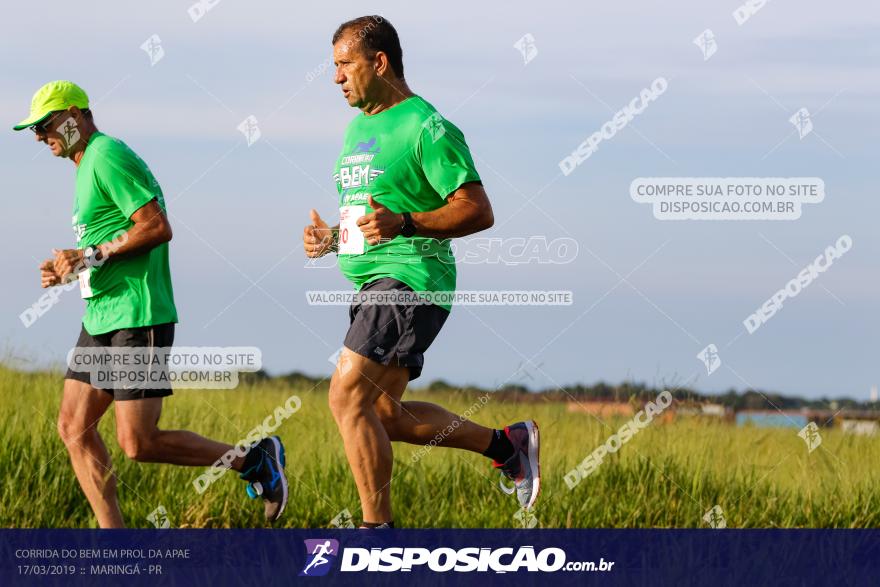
<point>67,263</point>
<point>48,277</point>
<point>317,237</point>
<point>381,225</point>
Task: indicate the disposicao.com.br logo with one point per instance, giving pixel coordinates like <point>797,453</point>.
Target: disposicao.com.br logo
<point>322,553</point>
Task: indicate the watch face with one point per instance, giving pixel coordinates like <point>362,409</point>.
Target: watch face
<point>89,256</point>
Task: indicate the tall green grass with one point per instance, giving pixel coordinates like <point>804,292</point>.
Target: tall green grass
<point>669,475</point>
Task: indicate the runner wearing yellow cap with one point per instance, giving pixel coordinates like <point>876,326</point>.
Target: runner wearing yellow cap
<point>121,261</point>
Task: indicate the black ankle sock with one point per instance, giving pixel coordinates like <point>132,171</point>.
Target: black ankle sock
<point>376,524</point>
<point>500,449</point>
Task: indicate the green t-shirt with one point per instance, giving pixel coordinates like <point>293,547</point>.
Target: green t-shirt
<point>409,158</point>
<point>112,183</point>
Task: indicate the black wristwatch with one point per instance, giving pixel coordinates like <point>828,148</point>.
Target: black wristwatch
<point>408,228</point>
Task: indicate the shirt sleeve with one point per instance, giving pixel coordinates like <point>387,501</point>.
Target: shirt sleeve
<point>127,180</point>
<point>444,156</point>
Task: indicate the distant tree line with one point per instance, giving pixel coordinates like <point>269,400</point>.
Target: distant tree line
<point>750,399</point>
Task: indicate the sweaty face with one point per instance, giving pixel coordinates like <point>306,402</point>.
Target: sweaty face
<point>355,71</point>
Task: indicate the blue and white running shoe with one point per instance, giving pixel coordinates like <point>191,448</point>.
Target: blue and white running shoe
<point>266,479</point>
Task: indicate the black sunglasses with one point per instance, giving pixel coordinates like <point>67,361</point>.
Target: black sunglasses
<point>43,127</point>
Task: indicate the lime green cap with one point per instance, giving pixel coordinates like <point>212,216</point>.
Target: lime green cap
<point>54,96</point>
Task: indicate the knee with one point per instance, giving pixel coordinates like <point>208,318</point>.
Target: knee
<point>136,445</point>
<point>72,430</point>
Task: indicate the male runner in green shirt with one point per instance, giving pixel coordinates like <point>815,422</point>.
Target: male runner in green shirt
<point>121,261</point>
<point>407,184</point>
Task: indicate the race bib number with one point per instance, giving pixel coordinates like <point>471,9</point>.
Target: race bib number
<point>351,239</point>
<point>85,283</point>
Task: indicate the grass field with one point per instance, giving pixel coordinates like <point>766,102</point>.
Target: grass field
<point>668,475</point>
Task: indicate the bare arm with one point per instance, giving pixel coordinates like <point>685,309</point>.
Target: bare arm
<point>151,229</point>
<point>467,211</point>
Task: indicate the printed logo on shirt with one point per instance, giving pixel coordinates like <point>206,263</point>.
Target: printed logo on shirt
<point>367,146</point>
<point>79,230</point>
<point>356,169</point>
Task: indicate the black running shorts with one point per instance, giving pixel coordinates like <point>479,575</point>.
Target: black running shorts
<point>393,334</point>
<point>161,335</point>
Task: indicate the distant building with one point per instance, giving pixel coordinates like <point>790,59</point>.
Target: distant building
<point>703,410</point>
<point>772,418</point>
<point>861,422</point>
<point>715,410</point>
<point>859,427</point>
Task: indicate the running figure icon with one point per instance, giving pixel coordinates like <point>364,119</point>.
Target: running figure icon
<point>319,552</point>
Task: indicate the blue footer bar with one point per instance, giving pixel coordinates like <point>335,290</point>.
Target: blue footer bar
<point>438,557</point>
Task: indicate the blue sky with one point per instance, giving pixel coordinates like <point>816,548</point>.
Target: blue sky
<point>238,211</point>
